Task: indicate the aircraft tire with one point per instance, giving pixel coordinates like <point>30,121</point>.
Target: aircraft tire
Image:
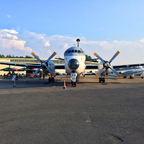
<point>49,79</point>
<point>52,79</point>
<point>103,80</point>
<point>100,80</point>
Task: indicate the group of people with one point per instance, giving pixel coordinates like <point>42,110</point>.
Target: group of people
<point>19,75</point>
<point>9,75</point>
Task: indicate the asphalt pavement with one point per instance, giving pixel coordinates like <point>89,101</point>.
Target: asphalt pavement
<point>38,112</point>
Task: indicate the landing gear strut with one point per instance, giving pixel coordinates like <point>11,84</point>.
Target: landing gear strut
<point>102,79</point>
<point>51,79</point>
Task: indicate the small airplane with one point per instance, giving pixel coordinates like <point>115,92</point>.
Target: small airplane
<point>75,65</point>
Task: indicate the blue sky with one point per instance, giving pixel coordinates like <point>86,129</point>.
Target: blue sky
<point>45,26</point>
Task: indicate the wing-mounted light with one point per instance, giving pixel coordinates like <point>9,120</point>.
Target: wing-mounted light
<point>107,65</point>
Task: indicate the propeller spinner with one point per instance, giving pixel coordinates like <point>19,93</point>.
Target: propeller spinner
<point>107,64</point>
<point>44,64</point>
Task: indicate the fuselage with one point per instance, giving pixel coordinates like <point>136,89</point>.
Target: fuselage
<point>74,60</point>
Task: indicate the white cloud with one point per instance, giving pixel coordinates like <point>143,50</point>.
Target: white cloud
<point>66,46</point>
<point>49,52</point>
<point>9,31</point>
<point>142,40</point>
<point>44,46</point>
<point>10,43</point>
<point>8,16</point>
<point>47,44</point>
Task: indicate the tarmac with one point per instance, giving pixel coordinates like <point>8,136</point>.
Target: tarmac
<point>34,111</point>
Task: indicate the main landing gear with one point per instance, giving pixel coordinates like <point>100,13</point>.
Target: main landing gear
<point>51,79</point>
<point>102,79</point>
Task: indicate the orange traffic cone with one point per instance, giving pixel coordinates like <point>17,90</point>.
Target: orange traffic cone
<point>64,87</point>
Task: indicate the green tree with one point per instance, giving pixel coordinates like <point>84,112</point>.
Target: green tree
<point>2,56</point>
<point>9,56</point>
<point>21,57</point>
<point>88,58</point>
<point>28,56</point>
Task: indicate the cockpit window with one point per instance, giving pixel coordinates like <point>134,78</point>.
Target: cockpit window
<point>76,51</point>
<point>69,51</point>
<point>72,51</point>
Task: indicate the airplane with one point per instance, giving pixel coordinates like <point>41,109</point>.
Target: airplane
<point>75,65</point>
<point>105,68</point>
<point>131,72</point>
<point>47,66</point>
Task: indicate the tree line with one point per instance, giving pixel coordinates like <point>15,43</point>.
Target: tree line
<point>88,58</point>
<point>12,56</point>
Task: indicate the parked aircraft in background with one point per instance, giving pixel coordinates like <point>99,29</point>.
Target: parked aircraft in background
<point>131,72</point>
<point>75,65</point>
<point>105,68</point>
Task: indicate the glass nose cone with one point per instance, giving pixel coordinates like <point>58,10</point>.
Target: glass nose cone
<point>73,64</point>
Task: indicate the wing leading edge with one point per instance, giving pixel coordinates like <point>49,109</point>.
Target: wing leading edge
<point>22,65</point>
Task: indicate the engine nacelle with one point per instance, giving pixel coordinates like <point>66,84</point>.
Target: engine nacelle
<point>101,66</point>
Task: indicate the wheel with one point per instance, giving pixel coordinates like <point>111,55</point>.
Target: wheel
<point>49,79</point>
<point>103,80</point>
<point>131,77</point>
<point>52,79</point>
<point>100,79</point>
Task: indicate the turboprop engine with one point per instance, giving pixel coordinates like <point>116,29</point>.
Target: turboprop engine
<point>105,66</point>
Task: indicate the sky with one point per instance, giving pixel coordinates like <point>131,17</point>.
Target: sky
<point>45,26</point>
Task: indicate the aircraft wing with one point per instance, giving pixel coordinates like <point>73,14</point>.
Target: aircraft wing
<point>131,72</point>
<point>91,67</point>
<point>128,65</point>
<point>22,65</point>
<point>59,66</point>
<point>32,65</point>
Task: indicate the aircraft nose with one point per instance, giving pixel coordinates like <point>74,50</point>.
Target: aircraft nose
<point>73,64</point>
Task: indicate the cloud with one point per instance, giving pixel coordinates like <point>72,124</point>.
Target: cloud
<point>8,16</point>
<point>10,43</point>
<point>106,49</point>
<point>47,44</point>
<point>66,46</point>
<point>44,46</point>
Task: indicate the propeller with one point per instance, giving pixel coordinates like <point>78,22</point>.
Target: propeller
<point>107,64</point>
<point>44,64</point>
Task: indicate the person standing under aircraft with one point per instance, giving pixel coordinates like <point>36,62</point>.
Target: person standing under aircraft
<point>74,75</point>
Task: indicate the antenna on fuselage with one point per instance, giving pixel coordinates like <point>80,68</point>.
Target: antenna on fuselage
<point>78,40</point>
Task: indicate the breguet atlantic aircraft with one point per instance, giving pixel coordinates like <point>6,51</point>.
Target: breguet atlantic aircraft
<point>75,65</point>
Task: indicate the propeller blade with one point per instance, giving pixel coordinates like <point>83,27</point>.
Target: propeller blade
<point>36,57</point>
<point>99,73</point>
<point>36,72</point>
<point>118,74</point>
<point>51,56</point>
<point>98,57</point>
<point>116,54</point>
<point>51,72</point>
